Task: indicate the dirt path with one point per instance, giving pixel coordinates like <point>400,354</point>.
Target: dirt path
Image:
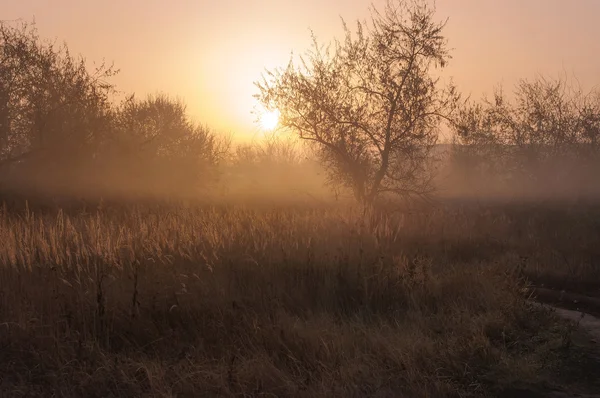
<point>588,322</point>
<point>568,300</point>
<point>590,344</point>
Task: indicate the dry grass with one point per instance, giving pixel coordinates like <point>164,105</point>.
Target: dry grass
<point>297,301</point>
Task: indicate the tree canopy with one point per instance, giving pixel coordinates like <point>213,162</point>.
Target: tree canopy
<point>372,102</point>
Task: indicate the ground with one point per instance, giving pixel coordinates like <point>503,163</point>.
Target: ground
<point>300,300</point>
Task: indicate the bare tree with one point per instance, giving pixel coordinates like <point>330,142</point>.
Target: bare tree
<point>371,103</point>
<point>52,109</point>
<point>156,137</point>
<point>272,150</point>
<point>59,130</point>
<point>545,127</point>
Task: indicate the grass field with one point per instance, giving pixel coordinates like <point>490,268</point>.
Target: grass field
<point>232,300</point>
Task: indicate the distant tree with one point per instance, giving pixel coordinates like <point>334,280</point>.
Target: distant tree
<point>53,111</point>
<point>479,147</point>
<point>60,130</point>
<point>158,140</point>
<point>272,150</point>
<point>371,103</point>
<point>545,124</point>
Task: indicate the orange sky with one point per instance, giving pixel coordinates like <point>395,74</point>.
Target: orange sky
<point>210,52</point>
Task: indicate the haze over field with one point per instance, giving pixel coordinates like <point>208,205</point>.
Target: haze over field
<point>221,219</point>
<point>210,52</point>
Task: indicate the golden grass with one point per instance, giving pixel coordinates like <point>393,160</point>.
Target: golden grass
<point>291,301</point>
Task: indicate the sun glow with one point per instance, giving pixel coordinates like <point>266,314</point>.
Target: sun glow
<point>269,119</point>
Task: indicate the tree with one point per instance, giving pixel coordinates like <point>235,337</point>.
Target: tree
<point>60,132</point>
<point>272,151</point>
<point>52,109</point>
<point>158,142</point>
<point>370,103</point>
<point>547,126</point>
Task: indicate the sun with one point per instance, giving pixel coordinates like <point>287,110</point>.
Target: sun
<point>269,119</point>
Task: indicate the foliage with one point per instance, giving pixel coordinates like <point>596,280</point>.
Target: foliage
<point>60,131</point>
<point>370,103</point>
<point>52,109</point>
<point>547,132</point>
<point>156,139</point>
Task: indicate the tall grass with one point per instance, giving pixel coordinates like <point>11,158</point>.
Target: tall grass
<point>291,301</point>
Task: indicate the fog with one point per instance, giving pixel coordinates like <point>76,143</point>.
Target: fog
<point>64,133</point>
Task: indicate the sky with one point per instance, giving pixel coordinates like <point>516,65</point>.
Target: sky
<point>209,53</point>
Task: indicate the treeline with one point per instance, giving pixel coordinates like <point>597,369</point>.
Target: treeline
<point>62,133</point>
<point>544,139</point>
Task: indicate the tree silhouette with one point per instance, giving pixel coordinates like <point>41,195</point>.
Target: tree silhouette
<point>60,130</point>
<point>52,109</point>
<point>370,103</point>
<point>547,125</point>
<point>156,140</point>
